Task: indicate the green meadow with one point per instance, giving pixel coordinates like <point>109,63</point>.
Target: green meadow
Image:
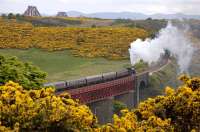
<point>61,65</point>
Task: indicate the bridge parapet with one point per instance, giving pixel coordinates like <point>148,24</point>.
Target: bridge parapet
<point>97,92</point>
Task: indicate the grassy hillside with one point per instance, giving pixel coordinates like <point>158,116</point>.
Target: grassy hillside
<point>161,79</point>
<point>107,42</point>
<point>150,25</point>
<point>61,65</point>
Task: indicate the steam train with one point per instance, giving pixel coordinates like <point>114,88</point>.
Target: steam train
<point>72,84</point>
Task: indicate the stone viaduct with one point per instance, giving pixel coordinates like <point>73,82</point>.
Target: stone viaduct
<point>100,97</point>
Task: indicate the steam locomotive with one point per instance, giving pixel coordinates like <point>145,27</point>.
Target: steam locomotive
<point>72,84</point>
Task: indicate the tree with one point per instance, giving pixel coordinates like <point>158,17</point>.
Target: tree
<point>10,16</point>
<point>149,19</point>
<point>141,66</point>
<point>18,16</point>
<point>29,76</point>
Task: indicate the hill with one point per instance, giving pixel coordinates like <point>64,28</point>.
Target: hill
<point>108,42</point>
<point>132,15</point>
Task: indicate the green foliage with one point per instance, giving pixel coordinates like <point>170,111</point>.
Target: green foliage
<point>148,24</point>
<point>62,65</point>
<point>19,17</point>
<point>151,25</point>
<point>118,106</point>
<point>149,19</point>
<point>11,16</point>
<point>141,66</point>
<point>167,76</point>
<point>26,74</point>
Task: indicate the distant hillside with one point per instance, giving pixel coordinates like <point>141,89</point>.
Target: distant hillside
<point>75,13</point>
<point>113,15</point>
<point>132,15</point>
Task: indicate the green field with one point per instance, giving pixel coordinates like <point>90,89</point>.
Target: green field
<point>61,65</point>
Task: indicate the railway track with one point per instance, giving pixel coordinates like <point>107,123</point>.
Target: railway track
<point>106,77</point>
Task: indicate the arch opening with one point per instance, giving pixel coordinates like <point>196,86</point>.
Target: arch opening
<point>142,85</point>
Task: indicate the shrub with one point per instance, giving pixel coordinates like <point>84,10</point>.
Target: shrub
<point>29,76</point>
<point>11,16</point>
<point>118,106</point>
<point>107,42</point>
<point>41,110</point>
<point>141,66</point>
<point>178,110</point>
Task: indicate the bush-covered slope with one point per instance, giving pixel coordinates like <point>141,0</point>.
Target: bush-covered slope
<point>40,110</point>
<point>176,111</point>
<point>108,42</point>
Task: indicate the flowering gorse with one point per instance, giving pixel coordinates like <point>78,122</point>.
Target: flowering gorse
<point>41,110</point>
<point>108,42</point>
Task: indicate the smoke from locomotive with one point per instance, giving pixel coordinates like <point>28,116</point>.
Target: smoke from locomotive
<point>170,38</point>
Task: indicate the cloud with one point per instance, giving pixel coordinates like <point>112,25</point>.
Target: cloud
<point>89,6</point>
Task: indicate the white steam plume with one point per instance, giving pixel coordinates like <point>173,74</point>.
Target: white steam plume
<point>170,38</point>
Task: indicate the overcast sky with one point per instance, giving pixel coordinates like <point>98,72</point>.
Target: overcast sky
<point>91,6</point>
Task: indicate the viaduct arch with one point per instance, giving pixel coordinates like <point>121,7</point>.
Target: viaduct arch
<point>100,97</point>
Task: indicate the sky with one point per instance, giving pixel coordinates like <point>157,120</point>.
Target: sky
<point>51,7</point>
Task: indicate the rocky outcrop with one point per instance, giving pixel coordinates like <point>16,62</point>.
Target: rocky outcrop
<point>32,11</point>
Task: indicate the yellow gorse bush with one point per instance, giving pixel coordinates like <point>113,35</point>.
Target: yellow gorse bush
<point>108,42</point>
<point>178,110</point>
<point>41,110</point>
